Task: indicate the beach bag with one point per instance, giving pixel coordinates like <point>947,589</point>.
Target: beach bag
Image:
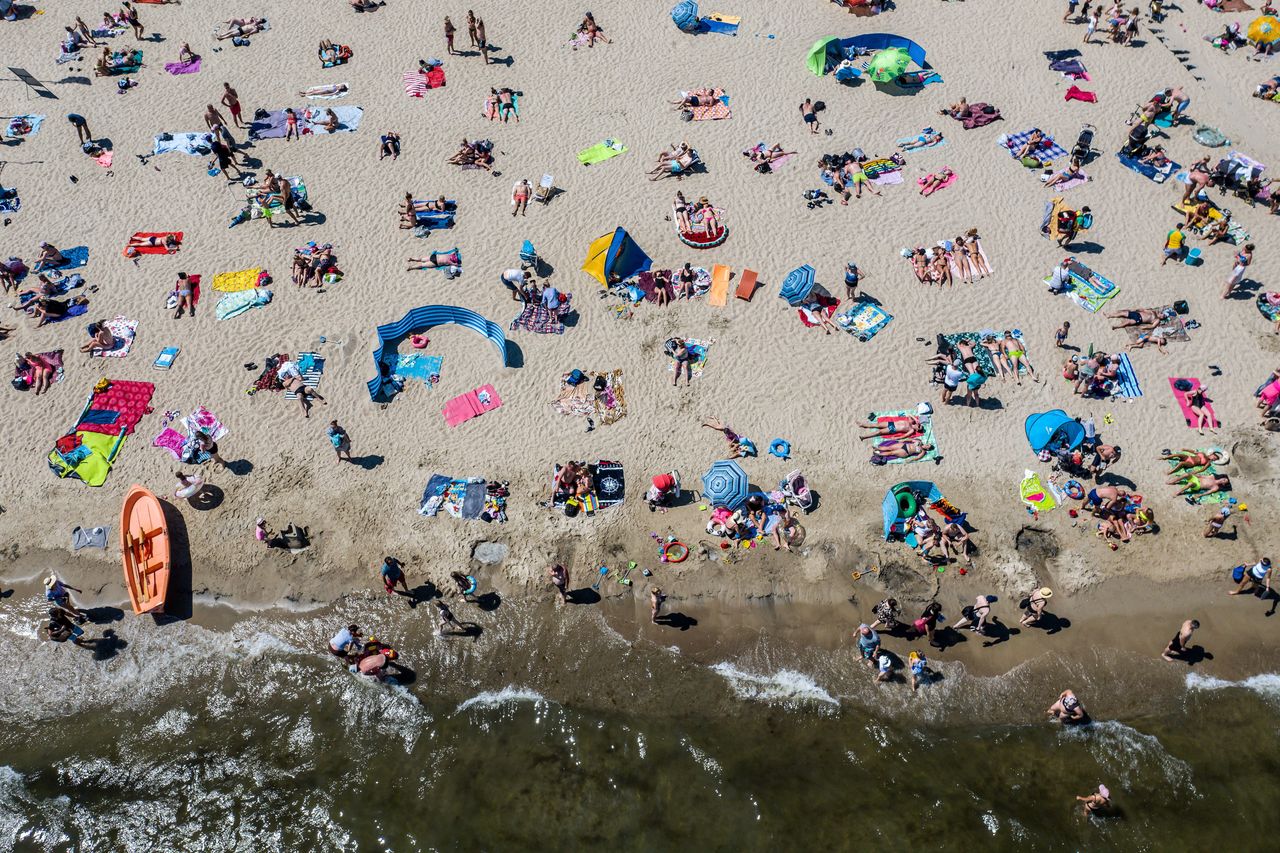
<point>1181,306</point>
<point>1031,162</point>
<point>571,507</point>
<point>1237,574</point>
<point>764,168</point>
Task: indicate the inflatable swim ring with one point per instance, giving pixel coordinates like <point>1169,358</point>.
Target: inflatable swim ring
<point>700,240</point>
<point>1074,490</point>
<point>675,552</point>
<point>197,483</point>
<point>419,341</point>
<point>780,448</point>
<point>907,505</point>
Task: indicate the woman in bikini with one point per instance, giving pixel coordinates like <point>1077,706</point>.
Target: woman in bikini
<point>705,213</point>
<point>1189,462</point>
<point>1198,402</point>
<point>964,262</point>
<point>168,241</point>
<point>933,181</point>
<point>682,209</point>
<point>920,266</point>
<point>186,301</point>
<point>1032,143</point>
<point>940,267</point>
<point>290,124</point>
<point>974,244</point>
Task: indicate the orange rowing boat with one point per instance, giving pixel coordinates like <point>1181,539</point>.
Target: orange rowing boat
<point>144,538</point>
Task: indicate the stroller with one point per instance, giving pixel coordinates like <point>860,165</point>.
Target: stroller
<point>795,491</point>
<point>1083,148</point>
<point>528,257</point>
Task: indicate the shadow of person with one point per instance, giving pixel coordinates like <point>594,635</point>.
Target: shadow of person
<point>107,646</point>
<point>421,593</point>
<point>240,467</point>
<point>997,633</point>
<point>1051,623</point>
<point>676,620</point>
<point>369,462</point>
<point>464,629</point>
<point>403,675</point>
<point>586,595</point>
<point>103,615</point>
<point>488,602</point>
<point>1196,654</point>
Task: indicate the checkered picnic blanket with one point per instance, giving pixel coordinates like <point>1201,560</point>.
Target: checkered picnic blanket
<point>1048,150</point>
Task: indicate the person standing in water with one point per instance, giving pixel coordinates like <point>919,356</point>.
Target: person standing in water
<point>560,580</point>
<point>1177,648</point>
<point>1097,802</point>
<point>1067,709</point>
<point>393,574</point>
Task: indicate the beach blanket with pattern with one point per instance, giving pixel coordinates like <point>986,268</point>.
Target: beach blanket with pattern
<point>416,83</point>
<point>1048,150</point>
<point>1207,474</point>
<point>1090,290</point>
<point>986,366</point>
<point>697,356</point>
<point>195,144</point>
<point>123,330</point>
<point>272,125</point>
<point>951,259</point>
<point>419,366</point>
<point>1171,326</point>
<point>925,435</point>
<point>714,111</point>
<point>53,358</point>
<point>608,406</point>
<point>235,304</point>
<point>863,320</point>
<point>311,366</point>
<point>233,282</point>
<point>537,319</point>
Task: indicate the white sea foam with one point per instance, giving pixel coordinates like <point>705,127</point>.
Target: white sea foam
<point>783,686</point>
<point>496,699</point>
<point>707,763</point>
<point>1266,685</point>
<point>1127,753</point>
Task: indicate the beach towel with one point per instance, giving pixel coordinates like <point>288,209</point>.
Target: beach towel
<point>233,282</point>
<point>885,179</point>
<point>159,235</point>
<point>1146,169</point>
<point>472,404</point>
<point>53,358</point>
<point>416,83</point>
<point>191,66</point>
<point>235,304</point>
<point>195,144</point>
<point>1048,150</point>
<point>311,366</point>
<point>925,435</point>
<point>1181,398</point>
<point>1063,186</point>
<point>1075,93</point>
<point>601,151</point>
<point>171,440</point>
<point>349,119</point>
<point>951,179</point>
<point>1091,290</point>
<point>537,319</point>
<point>93,458</point>
<point>1127,380</point>
<point>123,330</point>
<point>32,121</point>
<point>579,400</point>
<point>125,403</point>
<point>920,137</point>
<point>10,205</point>
<point>1267,307</point>
<point>978,116</point>
<point>697,356</point>
<point>718,295</point>
<point>863,320</point>
<point>986,366</point>
<point>714,111</point>
<point>611,484</point>
<point>826,306</point>
<point>725,25</point>
<point>1034,494</point>
<point>775,163</point>
<point>90,537</point>
<point>76,256</point>
<point>1070,68</point>
<point>424,367</point>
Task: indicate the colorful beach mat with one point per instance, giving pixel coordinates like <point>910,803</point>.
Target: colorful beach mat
<point>925,435</point>
<point>470,405</point>
<point>311,366</point>
<point>863,320</point>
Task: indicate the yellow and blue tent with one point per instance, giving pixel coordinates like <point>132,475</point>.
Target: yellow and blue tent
<point>614,257</point>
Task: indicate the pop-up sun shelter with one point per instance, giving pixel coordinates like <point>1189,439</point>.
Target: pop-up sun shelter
<point>1053,430</point>
<point>425,317</point>
<point>829,52</point>
<point>903,501</point>
<point>614,257</point>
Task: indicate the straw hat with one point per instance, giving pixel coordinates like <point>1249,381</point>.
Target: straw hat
<point>50,581</point>
<point>1045,592</point>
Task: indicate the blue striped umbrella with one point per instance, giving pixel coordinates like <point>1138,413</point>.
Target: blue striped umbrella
<point>797,285</point>
<point>725,484</point>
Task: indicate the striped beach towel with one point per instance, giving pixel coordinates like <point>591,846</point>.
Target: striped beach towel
<point>312,367</point>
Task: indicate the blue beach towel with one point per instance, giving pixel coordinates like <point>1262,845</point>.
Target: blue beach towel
<point>1127,380</point>
<point>1146,169</point>
<point>1048,150</point>
<point>77,256</point>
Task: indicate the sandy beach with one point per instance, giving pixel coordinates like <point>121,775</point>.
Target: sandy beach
<point>766,374</point>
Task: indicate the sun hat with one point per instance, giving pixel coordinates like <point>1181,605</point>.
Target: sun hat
<point>1045,592</point>
<point>1102,789</point>
<point>50,581</point>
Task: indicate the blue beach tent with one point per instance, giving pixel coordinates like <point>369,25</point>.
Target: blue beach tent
<point>1053,429</point>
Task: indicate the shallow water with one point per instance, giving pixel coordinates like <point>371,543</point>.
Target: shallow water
<point>551,730</point>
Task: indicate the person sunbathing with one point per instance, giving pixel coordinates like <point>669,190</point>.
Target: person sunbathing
<point>940,267</point>
<point>40,369</point>
<point>910,449</point>
<point>924,140</point>
<point>465,154</point>
<point>891,426</point>
<point>325,91</point>
<point>592,31</point>
<point>366,5</point>
<point>435,260</point>
<point>289,375</point>
<point>1197,486</point>
<point>572,480</point>
<point>327,120</point>
<point>1141,317</point>
<point>1198,216</point>
<point>920,265</point>
<point>1268,90</point>
<point>506,104</point>
<point>696,98</point>
<point>855,175</point>
<point>683,211</point>
<point>734,440</point>
<point>1033,142</point>
<point>168,241</point>
<point>935,180</point>
<point>1190,461</point>
<point>768,155</point>
<point>50,257</point>
<point>100,338</point>
<point>1071,173</point>
<point>672,166</point>
<point>241,27</point>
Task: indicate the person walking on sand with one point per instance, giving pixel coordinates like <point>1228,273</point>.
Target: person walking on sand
<point>1092,26</point>
<point>340,440</point>
<point>1244,257</point>
<point>1257,576</point>
<point>58,593</point>
<point>482,43</point>
<point>447,619</point>
<point>1035,606</point>
<point>656,598</point>
<point>231,100</point>
<point>205,443</point>
<point>810,115</point>
<point>1177,648</point>
<point>392,575</point>
<point>559,576</point>
<point>130,16</point>
<point>449,31</point>
<point>1096,803</point>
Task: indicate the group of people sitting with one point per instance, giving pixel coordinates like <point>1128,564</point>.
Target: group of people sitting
<point>1097,375</point>
<point>950,537</point>
<point>478,154</point>
<point>678,162</point>
<point>332,54</point>
<point>315,266</point>
<point>698,216</point>
<point>757,518</point>
<point>113,62</point>
<point>272,192</point>
<point>933,265</point>
<point>1120,515</point>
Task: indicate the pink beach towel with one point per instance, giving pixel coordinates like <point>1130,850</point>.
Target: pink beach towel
<point>1181,397</point>
<point>1073,182</point>
<point>416,83</point>
<point>951,179</point>
<point>471,404</point>
<point>1075,93</point>
<point>171,440</point>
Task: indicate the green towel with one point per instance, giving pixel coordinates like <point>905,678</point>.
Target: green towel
<point>1212,498</point>
<point>601,151</point>
<point>926,435</point>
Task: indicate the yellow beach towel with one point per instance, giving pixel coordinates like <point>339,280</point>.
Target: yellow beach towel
<point>234,282</point>
<point>1034,494</point>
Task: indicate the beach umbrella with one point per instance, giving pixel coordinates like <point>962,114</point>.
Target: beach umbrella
<point>725,484</point>
<point>797,285</point>
<point>1264,30</point>
<point>888,64</point>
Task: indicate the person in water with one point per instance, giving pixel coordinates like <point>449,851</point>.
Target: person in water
<point>559,576</point>
<point>1097,802</point>
<point>1177,648</point>
<point>393,575</point>
<point>1067,709</point>
<point>346,642</point>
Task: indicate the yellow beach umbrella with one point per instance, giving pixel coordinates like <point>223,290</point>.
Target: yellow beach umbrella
<point>1264,30</point>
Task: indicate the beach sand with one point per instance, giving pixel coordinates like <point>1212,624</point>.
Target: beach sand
<point>768,376</point>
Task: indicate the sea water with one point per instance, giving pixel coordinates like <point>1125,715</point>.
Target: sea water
<point>551,731</point>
